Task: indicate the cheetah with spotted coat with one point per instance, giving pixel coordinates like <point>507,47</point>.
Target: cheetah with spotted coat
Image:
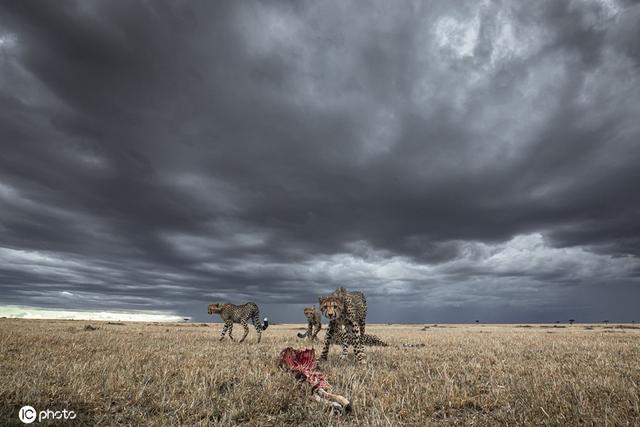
<point>368,340</point>
<point>231,313</point>
<point>314,323</point>
<point>348,309</point>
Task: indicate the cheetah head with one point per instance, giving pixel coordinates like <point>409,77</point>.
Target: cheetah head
<point>332,307</point>
<point>310,312</point>
<point>215,308</point>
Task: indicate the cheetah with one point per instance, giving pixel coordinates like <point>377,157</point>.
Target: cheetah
<point>367,339</point>
<point>314,323</point>
<point>348,309</point>
<point>232,313</point>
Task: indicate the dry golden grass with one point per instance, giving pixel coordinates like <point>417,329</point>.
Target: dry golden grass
<point>179,374</point>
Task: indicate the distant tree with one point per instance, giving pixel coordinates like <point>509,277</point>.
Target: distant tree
<point>605,321</point>
<point>633,321</point>
<point>477,321</point>
<point>557,321</point>
<point>571,321</point>
<point>186,319</point>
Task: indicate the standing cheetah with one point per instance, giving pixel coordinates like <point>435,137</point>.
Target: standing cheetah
<point>348,309</point>
<point>314,323</point>
<point>232,313</point>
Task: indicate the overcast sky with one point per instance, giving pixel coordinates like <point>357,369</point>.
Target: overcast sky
<point>452,160</point>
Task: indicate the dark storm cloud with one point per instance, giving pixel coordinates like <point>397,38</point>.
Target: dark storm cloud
<point>478,157</point>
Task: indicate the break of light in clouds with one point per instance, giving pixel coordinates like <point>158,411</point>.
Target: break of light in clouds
<point>38,313</point>
<point>452,161</point>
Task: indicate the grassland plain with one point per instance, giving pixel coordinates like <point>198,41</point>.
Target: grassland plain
<point>180,374</point>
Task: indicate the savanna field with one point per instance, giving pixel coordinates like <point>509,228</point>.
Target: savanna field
<point>180,374</point>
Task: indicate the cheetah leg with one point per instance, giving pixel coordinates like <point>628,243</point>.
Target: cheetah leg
<point>347,339</point>
<point>358,348</point>
<point>308,334</point>
<point>258,326</point>
<point>224,331</point>
<point>246,331</point>
<point>315,334</point>
<point>353,333</point>
<point>231,331</point>
<point>327,340</point>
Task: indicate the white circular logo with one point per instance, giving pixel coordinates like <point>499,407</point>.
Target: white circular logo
<point>27,414</point>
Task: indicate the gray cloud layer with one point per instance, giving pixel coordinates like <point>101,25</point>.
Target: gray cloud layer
<point>454,161</point>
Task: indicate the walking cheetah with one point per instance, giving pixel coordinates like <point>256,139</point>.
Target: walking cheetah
<point>232,313</point>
